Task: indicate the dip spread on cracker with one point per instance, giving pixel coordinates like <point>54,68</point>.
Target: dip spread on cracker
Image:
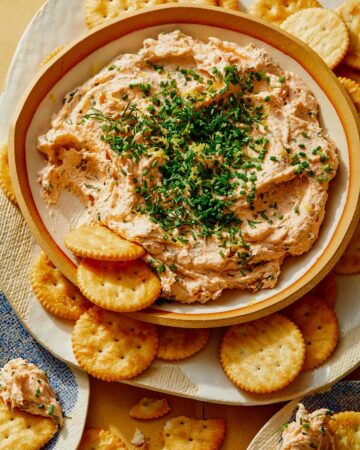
<point>308,431</point>
<point>24,386</point>
<point>207,154</point>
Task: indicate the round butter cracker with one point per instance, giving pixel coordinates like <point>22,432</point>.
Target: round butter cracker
<point>342,70</point>
<point>263,356</point>
<point>350,12</point>
<point>193,434</point>
<point>5,180</point>
<point>181,343</point>
<point>113,347</point>
<point>150,408</point>
<point>323,30</point>
<point>98,439</point>
<point>21,430</point>
<point>349,263</point>
<point>327,289</point>
<point>55,292</point>
<point>353,89</point>
<point>229,4</point>
<point>319,326</point>
<point>100,243</point>
<point>276,11</point>
<point>98,11</point>
<point>121,286</point>
<point>345,427</point>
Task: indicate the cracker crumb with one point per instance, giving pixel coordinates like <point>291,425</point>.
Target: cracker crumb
<point>138,439</point>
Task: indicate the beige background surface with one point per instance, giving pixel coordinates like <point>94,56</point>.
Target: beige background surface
<point>110,402</point>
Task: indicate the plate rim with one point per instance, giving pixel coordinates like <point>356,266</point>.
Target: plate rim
<point>230,20</point>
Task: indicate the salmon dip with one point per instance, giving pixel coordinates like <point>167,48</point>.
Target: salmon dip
<point>208,154</point>
<point>308,431</point>
<point>24,386</point>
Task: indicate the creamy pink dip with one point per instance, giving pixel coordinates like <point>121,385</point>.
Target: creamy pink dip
<point>308,432</point>
<point>252,178</point>
<point>25,386</point>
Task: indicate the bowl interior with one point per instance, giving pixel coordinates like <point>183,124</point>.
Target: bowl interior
<point>69,212</point>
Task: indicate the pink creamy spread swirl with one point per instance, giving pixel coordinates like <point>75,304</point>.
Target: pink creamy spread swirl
<point>208,154</point>
<point>308,432</point>
<point>23,385</point>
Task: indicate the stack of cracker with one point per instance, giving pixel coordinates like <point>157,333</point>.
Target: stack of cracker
<point>112,279</point>
<point>334,35</point>
<point>261,357</point>
<point>98,12</point>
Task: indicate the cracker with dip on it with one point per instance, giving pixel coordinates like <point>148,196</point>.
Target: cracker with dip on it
<point>30,414</point>
<point>321,429</point>
<point>308,430</point>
